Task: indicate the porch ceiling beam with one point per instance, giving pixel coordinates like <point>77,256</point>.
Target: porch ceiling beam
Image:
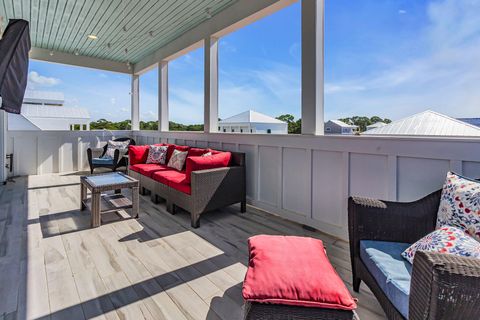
<point>80,61</point>
<point>240,14</point>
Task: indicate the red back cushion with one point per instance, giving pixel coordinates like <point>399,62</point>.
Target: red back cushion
<point>196,152</point>
<point>137,154</point>
<point>172,147</point>
<point>218,160</point>
<point>293,271</point>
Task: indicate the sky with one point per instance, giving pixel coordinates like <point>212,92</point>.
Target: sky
<point>390,58</point>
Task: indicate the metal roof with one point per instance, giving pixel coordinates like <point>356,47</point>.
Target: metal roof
<point>141,26</point>
<point>427,123</point>
<point>38,111</point>
<point>343,124</point>
<point>250,116</point>
<point>52,97</point>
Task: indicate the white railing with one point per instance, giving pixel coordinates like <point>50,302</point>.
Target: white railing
<point>302,178</point>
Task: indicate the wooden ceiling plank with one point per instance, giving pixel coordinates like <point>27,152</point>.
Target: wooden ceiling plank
<point>33,20</point>
<point>158,22</point>
<point>17,9</point>
<point>57,21</point>
<point>41,20</point>
<point>138,14</point>
<point>79,20</point>
<point>26,10</point>
<point>70,23</point>
<point>98,9</point>
<point>84,44</point>
<point>181,25</point>
<point>114,23</point>
<point>51,13</point>
<point>9,9</point>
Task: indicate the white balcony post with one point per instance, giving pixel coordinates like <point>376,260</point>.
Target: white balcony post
<point>312,66</point>
<point>211,85</point>
<point>163,96</point>
<point>135,96</point>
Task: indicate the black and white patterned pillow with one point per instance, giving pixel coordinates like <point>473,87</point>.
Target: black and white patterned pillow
<point>114,145</point>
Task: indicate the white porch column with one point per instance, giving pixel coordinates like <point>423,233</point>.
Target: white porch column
<point>163,96</point>
<point>135,104</point>
<point>312,66</point>
<point>211,85</point>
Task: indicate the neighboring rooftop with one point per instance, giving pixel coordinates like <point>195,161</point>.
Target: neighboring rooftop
<point>44,97</point>
<point>427,123</point>
<point>250,116</point>
<point>343,124</point>
<point>375,125</point>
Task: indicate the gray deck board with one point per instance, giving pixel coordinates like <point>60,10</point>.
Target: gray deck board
<point>54,266</point>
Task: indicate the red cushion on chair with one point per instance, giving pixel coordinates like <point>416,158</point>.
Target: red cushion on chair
<point>137,154</point>
<point>219,160</point>
<point>293,271</point>
<point>174,179</point>
<point>147,169</point>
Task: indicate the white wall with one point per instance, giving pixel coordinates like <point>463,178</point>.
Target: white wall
<point>303,178</point>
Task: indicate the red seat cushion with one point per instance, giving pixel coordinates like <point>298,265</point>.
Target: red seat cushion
<point>137,154</point>
<point>293,271</point>
<point>147,169</point>
<point>174,179</point>
<point>219,160</point>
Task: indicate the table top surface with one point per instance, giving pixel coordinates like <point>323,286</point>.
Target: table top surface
<point>109,179</point>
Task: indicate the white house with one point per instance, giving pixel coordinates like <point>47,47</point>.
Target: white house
<point>375,125</point>
<point>427,123</point>
<point>42,110</point>
<point>339,127</point>
<point>252,122</point>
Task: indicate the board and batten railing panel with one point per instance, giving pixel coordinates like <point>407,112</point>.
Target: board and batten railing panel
<point>43,152</point>
<point>309,178</point>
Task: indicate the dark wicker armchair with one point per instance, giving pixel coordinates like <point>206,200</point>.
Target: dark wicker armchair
<point>114,163</point>
<point>442,286</point>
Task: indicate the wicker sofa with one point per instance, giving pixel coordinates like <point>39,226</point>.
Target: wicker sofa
<point>207,190</point>
<point>438,286</point>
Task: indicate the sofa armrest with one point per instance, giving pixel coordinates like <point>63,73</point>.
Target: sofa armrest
<point>444,286</point>
<point>370,219</point>
<point>222,185</point>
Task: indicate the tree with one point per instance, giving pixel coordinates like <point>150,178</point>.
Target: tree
<point>294,127</point>
<point>364,122</point>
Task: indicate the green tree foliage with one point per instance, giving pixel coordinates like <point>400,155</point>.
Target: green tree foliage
<point>294,126</point>
<point>103,124</point>
<point>363,122</point>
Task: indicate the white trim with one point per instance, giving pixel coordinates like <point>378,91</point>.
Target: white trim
<point>3,144</point>
<point>135,102</point>
<point>79,61</point>
<point>163,120</point>
<point>313,67</point>
<point>211,85</point>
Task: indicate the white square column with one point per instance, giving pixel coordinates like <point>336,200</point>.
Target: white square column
<point>135,102</point>
<point>211,85</point>
<point>163,124</point>
<point>313,66</point>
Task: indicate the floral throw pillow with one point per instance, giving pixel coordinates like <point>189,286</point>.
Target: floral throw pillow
<point>460,205</point>
<point>157,154</point>
<point>177,160</point>
<point>113,145</point>
<point>448,240</point>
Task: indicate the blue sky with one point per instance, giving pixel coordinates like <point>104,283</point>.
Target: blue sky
<point>390,58</point>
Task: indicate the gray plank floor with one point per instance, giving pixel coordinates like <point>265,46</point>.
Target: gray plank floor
<point>54,266</point>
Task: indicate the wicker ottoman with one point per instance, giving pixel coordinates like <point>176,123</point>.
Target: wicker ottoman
<point>291,278</point>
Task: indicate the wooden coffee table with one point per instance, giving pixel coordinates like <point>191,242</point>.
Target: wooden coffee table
<point>99,203</point>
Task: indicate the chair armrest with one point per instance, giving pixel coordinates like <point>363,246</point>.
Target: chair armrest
<point>95,152</point>
<point>444,286</point>
<point>370,219</point>
<point>227,184</point>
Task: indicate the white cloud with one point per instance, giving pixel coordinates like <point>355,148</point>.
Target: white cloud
<point>36,80</point>
<point>402,11</point>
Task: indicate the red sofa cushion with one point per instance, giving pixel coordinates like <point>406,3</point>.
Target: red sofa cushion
<point>293,271</point>
<point>172,147</point>
<point>137,154</point>
<point>196,152</point>
<point>174,179</point>
<point>147,169</point>
<point>219,160</point>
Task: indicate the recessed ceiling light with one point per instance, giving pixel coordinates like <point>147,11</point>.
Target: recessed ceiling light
<point>92,37</point>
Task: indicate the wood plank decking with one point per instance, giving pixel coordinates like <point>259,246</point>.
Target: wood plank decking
<point>54,266</point>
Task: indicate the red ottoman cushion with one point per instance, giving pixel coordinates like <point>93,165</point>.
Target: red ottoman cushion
<point>293,271</point>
